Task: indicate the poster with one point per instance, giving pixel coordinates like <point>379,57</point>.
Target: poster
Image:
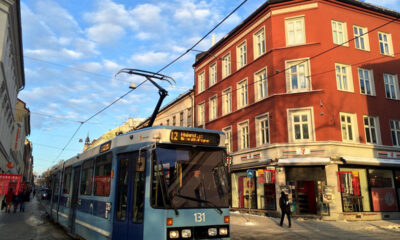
<point>384,199</point>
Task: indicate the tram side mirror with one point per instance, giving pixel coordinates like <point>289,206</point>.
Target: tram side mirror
<point>140,164</point>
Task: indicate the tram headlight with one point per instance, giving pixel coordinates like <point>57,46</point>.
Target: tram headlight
<point>212,232</point>
<point>223,231</point>
<point>186,233</point>
<point>174,234</point>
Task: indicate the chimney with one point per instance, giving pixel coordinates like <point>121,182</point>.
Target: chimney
<point>212,40</point>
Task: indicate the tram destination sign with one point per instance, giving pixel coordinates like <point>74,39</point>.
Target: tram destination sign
<point>197,138</point>
<point>105,147</point>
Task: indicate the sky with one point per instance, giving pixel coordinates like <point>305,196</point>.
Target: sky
<point>74,48</point>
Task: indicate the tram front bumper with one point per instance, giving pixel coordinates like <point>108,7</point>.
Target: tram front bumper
<point>198,232</point>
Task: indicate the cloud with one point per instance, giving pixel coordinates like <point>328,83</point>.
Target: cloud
<point>105,33</point>
<point>150,58</point>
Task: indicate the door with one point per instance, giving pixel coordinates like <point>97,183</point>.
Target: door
<point>74,199</point>
<point>129,200</point>
<point>306,197</point>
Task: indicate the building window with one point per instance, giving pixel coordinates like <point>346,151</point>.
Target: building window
<point>262,130</point>
<point>167,122</point>
<point>391,86</point>
<point>261,84</point>
<point>201,81</point>
<point>344,79</point>
<point>213,108</point>
<point>295,31</point>
<point>226,101</point>
<point>297,75</point>
<point>241,54</point>
<point>173,120</point>
<point>242,94</point>
<point>259,43</point>
<point>371,126</point>
<point>243,129</point>
<point>383,191</point>
<point>361,38</point>
<point>339,32</point>
<point>189,117</point>
<point>181,118</point>
<point>200,114</point>
<point>213,74</point>
<point>301,125</point>
<point>385,43</point>
<point>226,65</point>
<point>395,132</point>
<point>228,136</point>
<point>348,127</point>
<point>367,85</point>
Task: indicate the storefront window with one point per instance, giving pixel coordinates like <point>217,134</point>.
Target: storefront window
<point>397,184</point>
<point>382,190</point>
<point>266,196</point>
<point>354,188</point>
<point>243,191</point>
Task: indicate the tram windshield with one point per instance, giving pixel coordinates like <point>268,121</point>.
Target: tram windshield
<point>189,177</point>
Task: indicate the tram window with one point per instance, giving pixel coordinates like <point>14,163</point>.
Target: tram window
<point>56,184</point>
<point>102,176</point>
<point>138,192</point>
<point>122,185</point>
<point>86,179</point>
<point>67,180</point>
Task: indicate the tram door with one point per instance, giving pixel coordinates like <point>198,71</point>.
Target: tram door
<point>129,200</point>
<point>74,199</point>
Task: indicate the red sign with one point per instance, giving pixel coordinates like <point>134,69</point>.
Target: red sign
<point>10,165</point>
<point>9,181</point>
<point>384,199</point>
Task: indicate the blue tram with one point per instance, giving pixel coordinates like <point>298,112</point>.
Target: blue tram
<point>155,183</point>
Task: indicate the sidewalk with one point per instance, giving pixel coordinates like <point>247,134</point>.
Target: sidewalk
<point>245,226</point>
<point>29,225</point>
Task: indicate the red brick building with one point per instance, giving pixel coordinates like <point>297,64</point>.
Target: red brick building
<point>307,92</point>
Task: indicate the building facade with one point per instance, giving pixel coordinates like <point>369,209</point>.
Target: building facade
<point>307,92</point>
<point>178,112</point>
<point>22,129</point>
<point>12,80</point>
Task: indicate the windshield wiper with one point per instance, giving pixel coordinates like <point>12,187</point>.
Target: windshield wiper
<point>199,200</point>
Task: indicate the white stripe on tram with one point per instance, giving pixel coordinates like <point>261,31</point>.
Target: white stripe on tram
<point>99,230</point>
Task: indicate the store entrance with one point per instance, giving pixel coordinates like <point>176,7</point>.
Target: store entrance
<point>306,197</point>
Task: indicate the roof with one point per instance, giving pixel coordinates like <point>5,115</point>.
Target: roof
<point>357,3</point>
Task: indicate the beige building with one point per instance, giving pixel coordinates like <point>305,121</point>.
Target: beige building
<point>127,126</point>
<point>12,80</point>
<point>179,112</point>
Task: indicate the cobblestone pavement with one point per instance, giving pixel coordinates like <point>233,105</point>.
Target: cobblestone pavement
<point>245,226</point>
<point>29,225</point>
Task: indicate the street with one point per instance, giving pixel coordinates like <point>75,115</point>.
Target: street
<point>33,225</point>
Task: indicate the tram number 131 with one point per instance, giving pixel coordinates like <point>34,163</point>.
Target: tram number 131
<point>199,217</point>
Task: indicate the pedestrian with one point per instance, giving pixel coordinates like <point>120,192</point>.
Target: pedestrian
<point>16,199</point>
<point>34,192</point>
<point>285,208</point>
<point>24,196</point>
<point>9,199</point>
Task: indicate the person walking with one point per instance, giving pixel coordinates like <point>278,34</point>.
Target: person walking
<point>9,199</point>
<point>285,208</point>
<point>24,196</point>
<point>16,199</point>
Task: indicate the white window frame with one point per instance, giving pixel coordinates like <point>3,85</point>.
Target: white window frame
<point>395,131</point>
<point>363,80</point>
<point>369,129</point>
<point>353,124</point>
<point>387,44</point>
<point>243,138</point>
<point>259,43</point>
<point>361,37</point>
<point>393,86</point>
<point>201,81</point>
<point>307,76</point>
<point>343,32</point>
<point>242,94</point>
<point>241,55</point>
<point>213,108</point>
<point>212,74</point>
<point>296,32</point>
<point>260,132</point>
<point>261,84</point>
<point>201,114</point>
<point>227,101</point>
<point>229,139</point>
<point>291,113</point>
<point>349,76</point>
<point>226,65</point>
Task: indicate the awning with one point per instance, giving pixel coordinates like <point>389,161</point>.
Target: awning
<point>371,161</point>
<point>254,164</point>
<point>303,161</point>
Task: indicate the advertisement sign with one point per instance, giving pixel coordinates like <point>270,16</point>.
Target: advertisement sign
<point>9,180</point>
<point>384,199</point>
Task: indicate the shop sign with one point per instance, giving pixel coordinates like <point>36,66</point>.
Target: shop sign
<point>302,151</point>
<point>391,155</point>
<point>250,173</point>
<point>384,199</point>
<point>327,194</point>
<point>251,156</point>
